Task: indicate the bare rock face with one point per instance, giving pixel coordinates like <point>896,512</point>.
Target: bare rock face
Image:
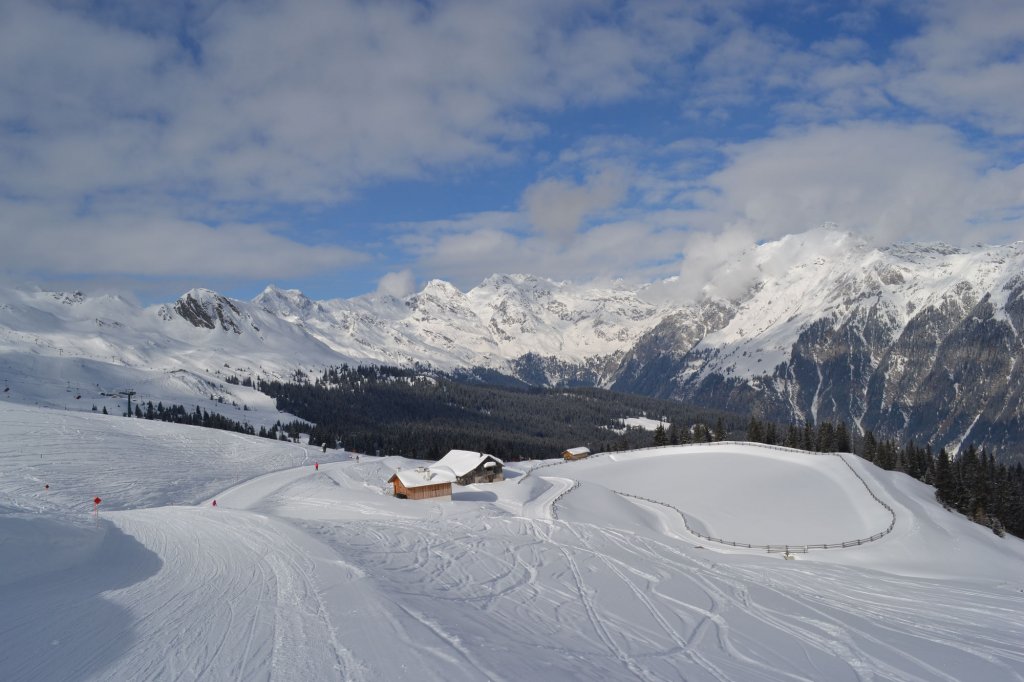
<point>209,310</point>
<point>911,342</point>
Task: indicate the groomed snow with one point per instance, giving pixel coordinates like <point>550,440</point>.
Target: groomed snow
<point>807,499</point>
<point>306,574</point>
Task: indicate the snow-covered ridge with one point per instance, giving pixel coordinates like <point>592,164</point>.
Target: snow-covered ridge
<point>819,325</point>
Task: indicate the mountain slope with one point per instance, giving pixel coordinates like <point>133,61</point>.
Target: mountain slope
<point>917,342</point>
<point>306,574</point>
<point>911,342</point>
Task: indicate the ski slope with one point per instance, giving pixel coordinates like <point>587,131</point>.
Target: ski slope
<point>305,574</point>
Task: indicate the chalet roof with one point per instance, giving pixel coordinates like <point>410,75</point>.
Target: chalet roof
<point>416,478</point>
<point>461,462</point>
<point>578,451</point>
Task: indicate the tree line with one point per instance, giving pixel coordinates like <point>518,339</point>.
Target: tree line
<point>423,414</point>
<point>178,414</point>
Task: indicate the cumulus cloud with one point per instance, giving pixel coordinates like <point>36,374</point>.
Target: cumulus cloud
<point>156,141</point>
<point>889,181</point>
<point>232,108</point>
<point>557,208</point>
<point>53,241</point>
<point>716,264</point>
<point>301,101</point>
<point>398,284</point>
<point>965,64</point>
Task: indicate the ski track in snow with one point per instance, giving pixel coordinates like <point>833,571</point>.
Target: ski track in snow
<point>300,574</point>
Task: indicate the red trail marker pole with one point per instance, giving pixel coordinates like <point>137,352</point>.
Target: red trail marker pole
<point>316,466</point>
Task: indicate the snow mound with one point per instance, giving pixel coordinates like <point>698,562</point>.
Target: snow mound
<point>748,494</point>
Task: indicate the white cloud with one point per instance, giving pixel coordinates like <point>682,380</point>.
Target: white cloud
<point>885,180</point>
<point>155,246</point>
<point>557,208</point>
<point>300,101</point>
<point>297,102</point>
<point>716,264</point>
<point>965,64</point>
<point>398,284</point>
<point>151,154</point>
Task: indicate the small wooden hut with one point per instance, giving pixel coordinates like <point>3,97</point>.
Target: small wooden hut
<point>470,467</point>
<point>420,484</point>
<point>575,453</point>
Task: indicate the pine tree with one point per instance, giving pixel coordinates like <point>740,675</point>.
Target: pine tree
<point>755,434</point>
<point>720,429</point>
<point>825,441</point>
<point>945,485</point>
<point>869,451</point>
<point>843,438</point>
<point>660,438</point>
<point>792,436</point>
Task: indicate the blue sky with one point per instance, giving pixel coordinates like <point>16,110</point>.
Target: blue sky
<point>347,147</point>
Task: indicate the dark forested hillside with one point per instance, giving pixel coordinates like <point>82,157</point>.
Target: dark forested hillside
<point>409,412</point>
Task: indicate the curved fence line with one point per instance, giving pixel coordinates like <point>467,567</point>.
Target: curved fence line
<point>788,549</point>
<point>554,502</point>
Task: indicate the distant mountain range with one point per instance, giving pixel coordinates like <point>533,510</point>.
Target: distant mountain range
<point>917,341</point>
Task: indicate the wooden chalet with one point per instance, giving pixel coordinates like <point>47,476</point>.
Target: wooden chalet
<point>470,467</point>
<point>421,484</point>
<point>575,453</point>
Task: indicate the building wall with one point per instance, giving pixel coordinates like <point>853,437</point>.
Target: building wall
<point>424,491</point>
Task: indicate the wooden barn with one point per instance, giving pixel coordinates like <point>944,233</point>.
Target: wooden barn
<point>576,453</point>
<point>470,467</point>
<point>421,484</point>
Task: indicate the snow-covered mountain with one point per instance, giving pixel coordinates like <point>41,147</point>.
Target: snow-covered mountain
<point>910,341</point>
<point>493,325</point>
<point>917,342</point>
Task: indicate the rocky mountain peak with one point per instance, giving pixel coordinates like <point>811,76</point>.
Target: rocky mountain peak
<point>207,309</point>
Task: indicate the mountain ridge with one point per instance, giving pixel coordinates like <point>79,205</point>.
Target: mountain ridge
<point>914,342</point>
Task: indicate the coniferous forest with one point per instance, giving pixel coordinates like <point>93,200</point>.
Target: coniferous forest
<point>178,414</point>
<point>392,411</point>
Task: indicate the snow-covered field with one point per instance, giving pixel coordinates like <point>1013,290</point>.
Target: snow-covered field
<point>300,574</point>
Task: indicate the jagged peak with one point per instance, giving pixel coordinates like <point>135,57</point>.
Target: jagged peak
<point>207,309</point>
<point>201,294</point>
<point>274,290</point>
<point>440,286</point>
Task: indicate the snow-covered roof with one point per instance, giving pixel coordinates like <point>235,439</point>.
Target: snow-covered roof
<point>578,451</point>
<point>417,478</point>
<point>461,462</point>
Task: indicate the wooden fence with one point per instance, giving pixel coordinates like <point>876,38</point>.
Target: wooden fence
<point>771,548</point>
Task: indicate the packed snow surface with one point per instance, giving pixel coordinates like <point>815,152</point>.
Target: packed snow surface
<point>300,573</point>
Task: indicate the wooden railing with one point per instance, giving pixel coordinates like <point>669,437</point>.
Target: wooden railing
<point>782,548</point>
